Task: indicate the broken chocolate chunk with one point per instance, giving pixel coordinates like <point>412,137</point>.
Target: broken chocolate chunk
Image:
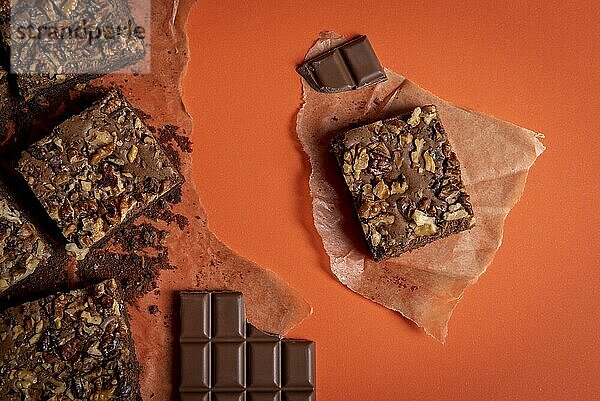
<point>352,65</point>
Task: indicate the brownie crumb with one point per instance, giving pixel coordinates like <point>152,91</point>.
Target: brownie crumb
<point>135,256</point>
<point>162,210</point>
<point>169,133</point>
<point>143,115</point>
<point>174,197</point>
<point>182,221</point>
<point>153,309</point>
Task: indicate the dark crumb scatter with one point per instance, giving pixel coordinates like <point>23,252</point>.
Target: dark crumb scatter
<point>142,114</point>
<point>136,274</point>
<point>143,236</point>
<point>174,197</point>
<point>172,154</point>
<point>162,210</point>
<point>169,133</point>
<point>136,265</point>
<point>182,221</point>
<point>153,309</point>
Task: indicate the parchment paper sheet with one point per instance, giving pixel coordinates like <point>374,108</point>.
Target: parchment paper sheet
<point>202,261</point>
<point>425,285</point>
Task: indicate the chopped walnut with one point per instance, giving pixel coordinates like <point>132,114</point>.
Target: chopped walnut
<point>425,225</point>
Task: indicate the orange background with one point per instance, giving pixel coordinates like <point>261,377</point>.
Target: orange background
<point>529,329</point>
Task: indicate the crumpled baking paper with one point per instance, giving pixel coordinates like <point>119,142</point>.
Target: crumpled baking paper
<point>426,284</point>
<point>202,261</point>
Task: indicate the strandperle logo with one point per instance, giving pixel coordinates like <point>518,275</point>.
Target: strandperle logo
<point>82,31</point>
<point>79,37</point>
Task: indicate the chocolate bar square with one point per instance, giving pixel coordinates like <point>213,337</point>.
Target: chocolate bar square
<point>297,362</point>
<point>75,345</point>
<point>195,356</point>
<point>264,361</point>
<point>405,182</point>
<point>97,170</point>
<point>225,358</point>
<point>298,396</point>
<point>229,362</point>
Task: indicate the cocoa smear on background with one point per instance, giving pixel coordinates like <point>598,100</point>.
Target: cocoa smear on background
<point>169,247</point>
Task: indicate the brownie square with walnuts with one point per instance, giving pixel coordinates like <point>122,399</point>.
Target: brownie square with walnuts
<point>22,249</point>
<point>69,346</point>
<point>405,181</point>
<point>97,170</point>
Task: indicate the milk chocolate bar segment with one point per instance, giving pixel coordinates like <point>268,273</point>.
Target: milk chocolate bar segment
<point>405,182</point>
<point>352,65</point>
<point>231,321</point>
<point>195,317</point>
<point>297,369</point>
<point>225,358</point>
<point>69,346</point>
<point>96,170</point>
<point>265,360</point>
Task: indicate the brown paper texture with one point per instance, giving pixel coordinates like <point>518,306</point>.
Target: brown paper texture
<point>201,260</point>
<point>426,284</point>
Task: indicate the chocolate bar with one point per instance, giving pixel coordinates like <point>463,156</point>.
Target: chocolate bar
<point>96,170</point>
<point>223,357</point>
<point>22,249</point>
<point>352,65</point>
<point>69,37</point>
<point>69,346</point>
<point>405,182</point>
